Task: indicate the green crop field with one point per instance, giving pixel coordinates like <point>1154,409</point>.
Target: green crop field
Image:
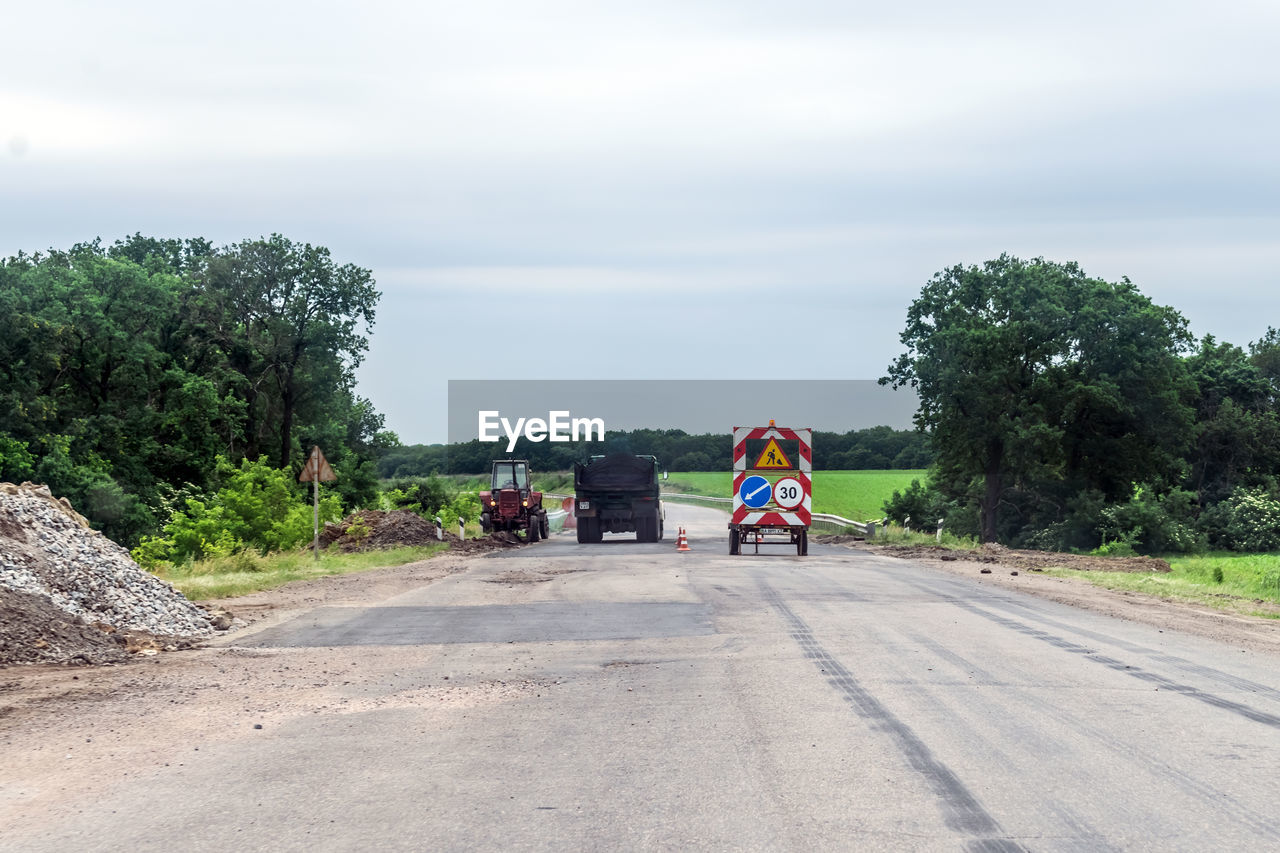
<point>859,495</point>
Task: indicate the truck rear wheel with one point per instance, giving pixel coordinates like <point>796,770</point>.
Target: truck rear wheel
<point>589,530</point>
<point>647,528</point>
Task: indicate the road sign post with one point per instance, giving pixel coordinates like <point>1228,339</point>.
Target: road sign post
<point>316,469</point>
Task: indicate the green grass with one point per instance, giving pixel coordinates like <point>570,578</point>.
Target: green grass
<point>894,535</point>
<point>859,495</point>
<point>241,574</point>
<point>1246,580</point>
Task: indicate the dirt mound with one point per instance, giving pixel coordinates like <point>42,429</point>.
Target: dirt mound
<point>1033,560</point>
<point>33,630</point>
<point>836,538</point>
<point>69,594</point>
<point>370,528</point>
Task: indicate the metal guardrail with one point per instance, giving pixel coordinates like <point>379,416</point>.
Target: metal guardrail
<point>867,528</point>
<point>679,495</point>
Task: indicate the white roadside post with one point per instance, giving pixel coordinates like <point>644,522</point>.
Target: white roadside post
<point>316,469</point>
<point>940,521</point>
<point>439,528</point>
<point>462,528</point>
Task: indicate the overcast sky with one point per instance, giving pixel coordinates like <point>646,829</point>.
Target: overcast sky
<point>659,190</point>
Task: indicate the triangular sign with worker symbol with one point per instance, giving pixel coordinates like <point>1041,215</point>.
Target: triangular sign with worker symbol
<point>317,468</point>
<point>772,456</point>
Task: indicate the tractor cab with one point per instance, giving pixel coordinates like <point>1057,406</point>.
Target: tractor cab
<point>510,474</point>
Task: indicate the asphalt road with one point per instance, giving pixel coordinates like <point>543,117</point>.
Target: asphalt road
<point>627,697</point>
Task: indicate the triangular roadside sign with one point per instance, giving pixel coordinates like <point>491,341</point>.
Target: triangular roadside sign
<point>772,456</point>
<point>317,468</point>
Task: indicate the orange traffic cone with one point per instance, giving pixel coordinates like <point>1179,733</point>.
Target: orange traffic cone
<point>682,542</point>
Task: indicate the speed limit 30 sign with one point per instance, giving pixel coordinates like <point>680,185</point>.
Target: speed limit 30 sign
<point>788,493</point>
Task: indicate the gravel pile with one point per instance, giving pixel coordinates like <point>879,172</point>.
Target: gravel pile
<point>50,556</point>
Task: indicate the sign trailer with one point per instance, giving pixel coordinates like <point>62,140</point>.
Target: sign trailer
<point>772,497</point>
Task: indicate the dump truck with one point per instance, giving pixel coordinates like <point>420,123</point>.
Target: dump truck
<point>617,493</point>
<point>511,503</point>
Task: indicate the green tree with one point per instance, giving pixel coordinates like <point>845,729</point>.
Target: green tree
<point>293,324</point>
<point>1237,432</point>
<point>1036,382</point>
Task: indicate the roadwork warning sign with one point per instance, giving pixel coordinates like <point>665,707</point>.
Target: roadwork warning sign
<point>317,468</point>
<point>772,456</point>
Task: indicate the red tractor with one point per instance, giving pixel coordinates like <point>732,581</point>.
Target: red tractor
<point>511,503</point>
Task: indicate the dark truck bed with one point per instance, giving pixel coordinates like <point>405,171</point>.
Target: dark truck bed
<point>617,494</point>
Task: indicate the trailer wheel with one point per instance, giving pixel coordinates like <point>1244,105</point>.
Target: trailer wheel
<point>802,544</point>
<point>735,541</point>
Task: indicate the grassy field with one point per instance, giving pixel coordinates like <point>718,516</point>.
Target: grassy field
<point>1245,580</point>
<point>858,495</point>
<point>241,574</point>
<point>560,482</point>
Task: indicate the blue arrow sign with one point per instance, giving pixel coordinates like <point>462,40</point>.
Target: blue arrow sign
<point>755,492</point>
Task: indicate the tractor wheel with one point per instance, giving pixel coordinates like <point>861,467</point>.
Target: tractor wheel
<point>531,530</point>
<point>735,541</point>
<point>544,527</point>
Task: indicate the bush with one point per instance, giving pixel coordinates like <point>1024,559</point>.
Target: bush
<point>16,461</point>
<point>1151,523</point>
<point>423,495</point>
<point>466,507</point>
<point>259,508</point>
<point>1115,549</point>
<point>1249,520</point>
<point>917,502</point>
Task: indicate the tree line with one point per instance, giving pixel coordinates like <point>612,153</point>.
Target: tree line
<point>874,448</point>
<point>132,374</point>
<point>1071,412</point>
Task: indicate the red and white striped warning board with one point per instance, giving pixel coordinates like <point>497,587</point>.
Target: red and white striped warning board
<point>793,506</point>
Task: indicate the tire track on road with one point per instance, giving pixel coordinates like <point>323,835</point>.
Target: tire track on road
<point>961,809</point>
<point>1264,825</point>
<point>1131,670</point>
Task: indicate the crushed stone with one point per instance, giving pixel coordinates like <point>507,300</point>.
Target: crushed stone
<point>70,594</point>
